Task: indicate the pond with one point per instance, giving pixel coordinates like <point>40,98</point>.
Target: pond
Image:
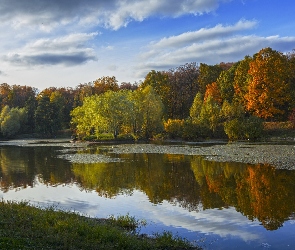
<point>218,205</point>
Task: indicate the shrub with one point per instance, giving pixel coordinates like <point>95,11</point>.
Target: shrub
<point>195,130</point>
<point>174,128</point>
<point>127,137</point>
<point>253,127</point>
<point>247,128</point>
<point>234,129</point>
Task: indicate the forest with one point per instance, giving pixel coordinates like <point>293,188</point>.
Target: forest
<point>193,101</point>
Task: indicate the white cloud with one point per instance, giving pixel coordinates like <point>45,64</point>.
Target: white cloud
<point>45,15</point>
<point>209,45</point>
<point>203,34</point>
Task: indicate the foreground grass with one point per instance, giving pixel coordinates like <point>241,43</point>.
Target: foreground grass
<point>26,227</point>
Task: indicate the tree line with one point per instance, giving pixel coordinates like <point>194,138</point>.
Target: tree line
<point>190,102</point>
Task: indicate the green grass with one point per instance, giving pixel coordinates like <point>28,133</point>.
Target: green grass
<point>26,227</point>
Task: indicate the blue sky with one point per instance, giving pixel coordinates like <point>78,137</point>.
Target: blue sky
<point>66,42</point>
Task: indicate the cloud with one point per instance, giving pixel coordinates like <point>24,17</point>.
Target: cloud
<point>68,50</point>
<point>67,59</point>
<point>113,14</point>
<point>209,45</point>
<point>203,34</point>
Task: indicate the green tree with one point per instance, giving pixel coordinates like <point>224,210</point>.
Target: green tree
<point>86,119</point>
<point>225,83</point>
<point>210,113</point>
<point>107,112</point>
<point>57,104</point>
<point>241,80</point>
<point>45,120</point>
<point>160,82</point>
<point>12,121</point>
<point>232,110</point>
<point>30,106</point>
<point>4,112</point>
<point>152,112</point>
<point>196,107</point>
<point>116,108</point>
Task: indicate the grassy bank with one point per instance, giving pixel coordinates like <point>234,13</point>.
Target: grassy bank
<point>26,227</point>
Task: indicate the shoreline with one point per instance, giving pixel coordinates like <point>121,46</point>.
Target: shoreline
<point>280,154</point>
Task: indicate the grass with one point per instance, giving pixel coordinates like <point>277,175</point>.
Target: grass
<point>23,226</point>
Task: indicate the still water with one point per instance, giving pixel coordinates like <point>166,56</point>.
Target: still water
<point>217,205</point>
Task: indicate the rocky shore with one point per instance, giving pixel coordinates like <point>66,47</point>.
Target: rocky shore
<point>280,154</point>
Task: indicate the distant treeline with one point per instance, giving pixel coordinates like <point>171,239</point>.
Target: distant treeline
<point>189,102</point>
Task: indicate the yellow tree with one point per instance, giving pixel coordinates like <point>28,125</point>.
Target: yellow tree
<point>241,80</point>
<point>268,89</point>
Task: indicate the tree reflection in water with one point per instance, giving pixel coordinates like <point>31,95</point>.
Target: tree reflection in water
<point>259,192</point>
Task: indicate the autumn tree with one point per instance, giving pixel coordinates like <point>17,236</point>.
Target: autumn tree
<point>15,95</point>
<point>104,84</point>
<point>269,88</point>
<point>128,86</point>
<point>5,95</point>
<point>207,75</point>
<point>184,81</point>
<point>82,91</point>
<point>177,89</point>
<point>291,63</point>
<point>212,90</point>
<point>21,94</point>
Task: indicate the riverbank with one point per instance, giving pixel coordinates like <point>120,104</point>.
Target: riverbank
<point>27,227</point>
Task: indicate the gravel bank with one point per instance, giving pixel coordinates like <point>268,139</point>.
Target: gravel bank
<point>281,156</point>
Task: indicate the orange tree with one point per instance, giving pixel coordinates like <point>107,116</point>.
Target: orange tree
<point>269,85</point>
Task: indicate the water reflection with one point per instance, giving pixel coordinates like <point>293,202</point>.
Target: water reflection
<point>160,177</point>
<point>218,195</point>
<point>20,165</point>
<point>257,191</point>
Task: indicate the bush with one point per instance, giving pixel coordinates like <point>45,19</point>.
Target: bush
<point>247,128</point>
<point>195,130</point>
<point>127,137</point>
<point>174,128</point>
<point>253,128</point>
<point>234,129</point>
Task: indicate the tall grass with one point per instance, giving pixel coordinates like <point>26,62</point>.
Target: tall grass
<point>26,227</point>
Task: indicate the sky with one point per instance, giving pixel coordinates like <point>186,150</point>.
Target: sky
<point>62,43</point>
